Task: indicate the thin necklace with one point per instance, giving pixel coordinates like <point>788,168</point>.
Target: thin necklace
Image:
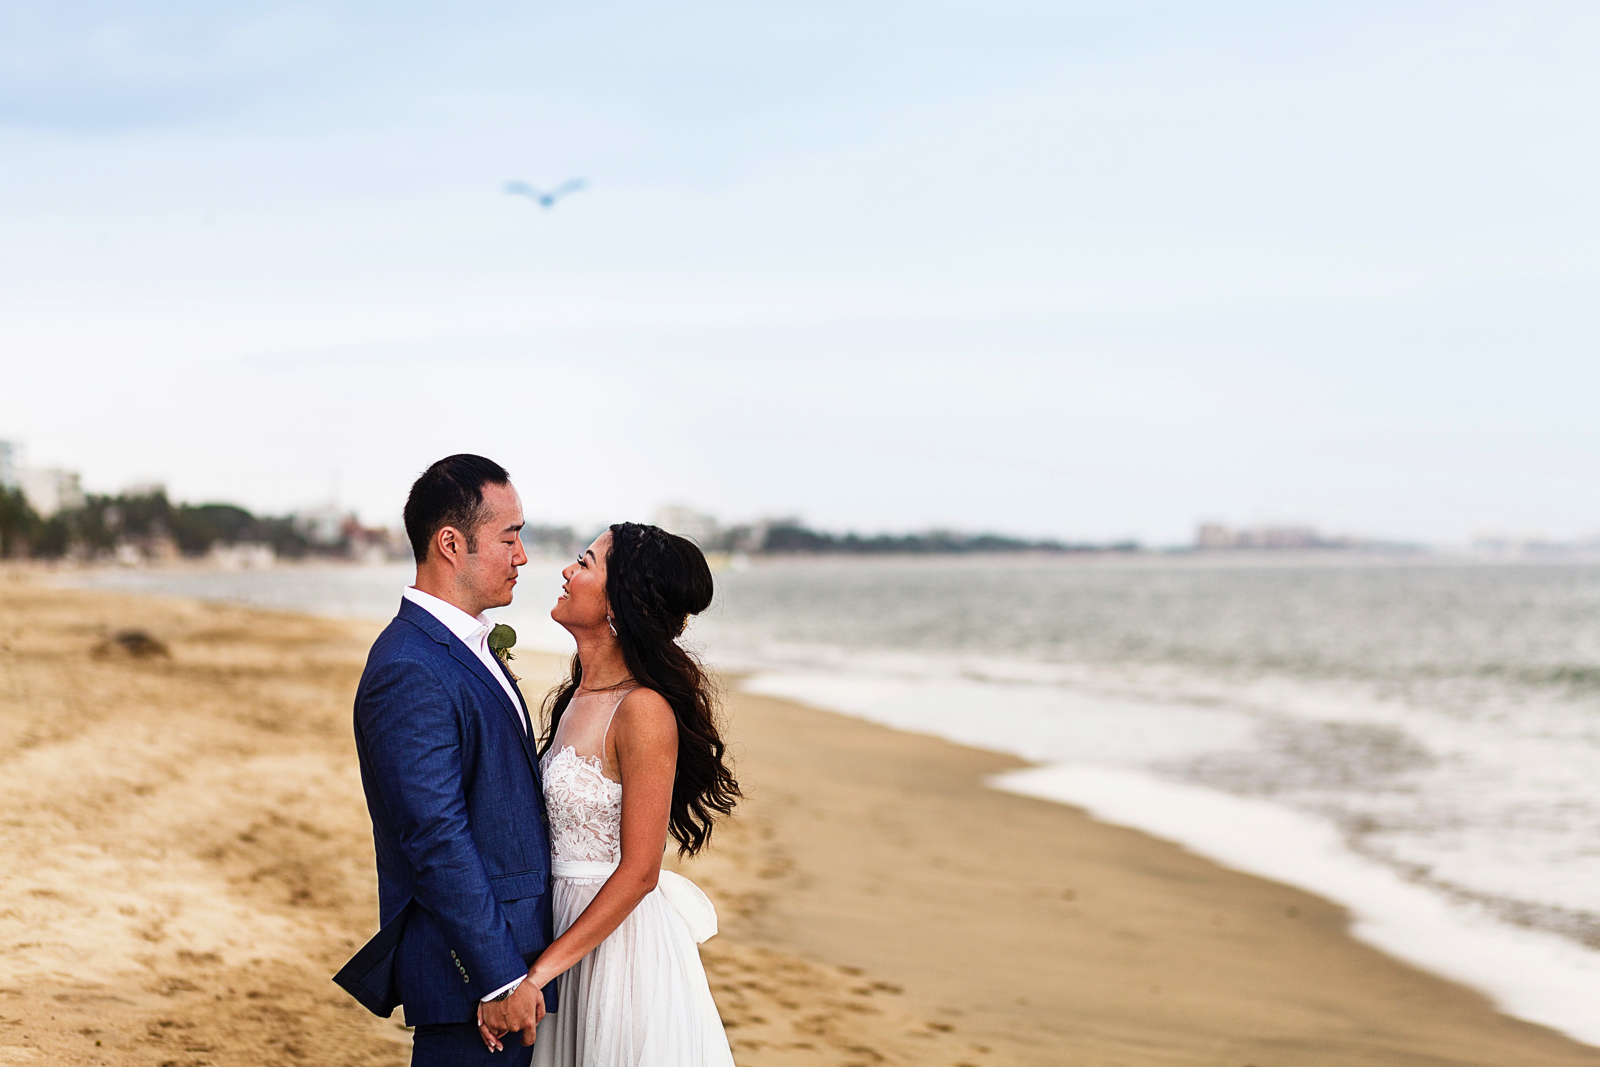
<point>626,683</point>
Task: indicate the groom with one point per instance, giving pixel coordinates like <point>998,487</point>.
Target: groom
<point>447,761</point>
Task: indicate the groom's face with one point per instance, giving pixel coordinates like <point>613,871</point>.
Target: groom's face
<point>489,575</point>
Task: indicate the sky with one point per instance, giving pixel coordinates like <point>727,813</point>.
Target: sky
<point>1089,270</point>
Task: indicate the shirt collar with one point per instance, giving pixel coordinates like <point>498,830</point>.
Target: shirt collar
<point>458,622</point>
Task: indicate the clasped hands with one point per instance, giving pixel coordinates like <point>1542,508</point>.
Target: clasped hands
<point>521,1011</point>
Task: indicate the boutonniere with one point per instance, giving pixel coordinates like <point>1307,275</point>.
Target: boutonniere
<point>501,640</point>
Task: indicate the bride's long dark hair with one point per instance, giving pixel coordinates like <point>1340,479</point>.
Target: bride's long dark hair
<point>654,581</point>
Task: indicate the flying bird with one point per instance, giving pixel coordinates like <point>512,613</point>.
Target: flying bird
<point>544,199</point>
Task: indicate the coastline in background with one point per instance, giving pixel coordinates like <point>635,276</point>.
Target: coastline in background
<point>46,515</point>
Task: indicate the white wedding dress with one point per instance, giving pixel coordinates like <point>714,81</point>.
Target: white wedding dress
<point>641,998</point>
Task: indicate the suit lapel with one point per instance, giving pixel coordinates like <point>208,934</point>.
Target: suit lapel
<point>528,734</point>
<point>468,659</point>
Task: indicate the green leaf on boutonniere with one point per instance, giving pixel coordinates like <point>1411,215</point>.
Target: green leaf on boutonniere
<point>501,638</point>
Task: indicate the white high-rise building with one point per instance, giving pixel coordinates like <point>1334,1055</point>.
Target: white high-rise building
<point>51,489</point>
<point>684,521</point>
<point>10,460</point>
<point>321,525</point>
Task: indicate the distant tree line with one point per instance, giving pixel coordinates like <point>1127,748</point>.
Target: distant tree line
<point>148,521</point>
<point>155,527</point>
<point>793,538</point>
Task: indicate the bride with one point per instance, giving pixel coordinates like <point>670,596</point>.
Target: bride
<point>631,754</point>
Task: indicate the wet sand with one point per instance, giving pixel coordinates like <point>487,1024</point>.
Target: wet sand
<point>187,859</point>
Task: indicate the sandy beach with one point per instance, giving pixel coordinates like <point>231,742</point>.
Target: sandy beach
<point>188,860</point>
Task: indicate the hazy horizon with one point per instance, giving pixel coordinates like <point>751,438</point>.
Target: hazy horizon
<point>1086,271</point>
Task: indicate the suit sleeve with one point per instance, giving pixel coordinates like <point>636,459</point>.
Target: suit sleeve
<point>412,734</point>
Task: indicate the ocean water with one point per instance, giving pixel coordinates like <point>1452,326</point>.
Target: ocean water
<point>1416,739</point>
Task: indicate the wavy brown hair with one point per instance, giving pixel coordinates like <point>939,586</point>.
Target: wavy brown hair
<point>654,582</point>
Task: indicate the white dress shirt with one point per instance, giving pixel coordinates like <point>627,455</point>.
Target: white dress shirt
<point>474,633</point>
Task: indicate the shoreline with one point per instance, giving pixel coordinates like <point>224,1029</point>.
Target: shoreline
<point>1536,975</point>
<point>1049,936</point>
<point>205,865</point>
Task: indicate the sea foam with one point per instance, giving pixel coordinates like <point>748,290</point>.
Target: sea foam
<point>1533,975</point>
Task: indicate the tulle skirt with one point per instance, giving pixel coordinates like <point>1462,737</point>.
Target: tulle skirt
<point>641,998</point>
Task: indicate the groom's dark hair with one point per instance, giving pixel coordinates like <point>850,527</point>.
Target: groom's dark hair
<point>450,493</point>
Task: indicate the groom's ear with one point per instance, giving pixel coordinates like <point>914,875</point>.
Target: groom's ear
<point>449,543</point>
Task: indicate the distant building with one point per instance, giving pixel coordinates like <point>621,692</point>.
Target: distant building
<point>697,526</point>
<point>51,489</point>
<point>1212,536</point>
<point>160,548</point>
<point>322,526</point>
<point>373,544</point>
<point>1532,546</point>
<point>10,460</point>
<point>753,536</point>
<point>1282,537</point>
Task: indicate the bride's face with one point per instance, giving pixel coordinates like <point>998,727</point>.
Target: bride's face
<point>583,603</point>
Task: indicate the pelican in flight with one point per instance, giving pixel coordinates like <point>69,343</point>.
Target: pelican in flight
<point>544,199</point>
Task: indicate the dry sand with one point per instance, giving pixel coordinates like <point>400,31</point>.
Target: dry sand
<point>187,859</point>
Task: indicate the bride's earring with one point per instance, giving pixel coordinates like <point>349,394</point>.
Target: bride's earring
<point>613,626</point>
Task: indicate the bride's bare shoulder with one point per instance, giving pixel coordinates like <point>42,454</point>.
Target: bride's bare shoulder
<point>645,716</point>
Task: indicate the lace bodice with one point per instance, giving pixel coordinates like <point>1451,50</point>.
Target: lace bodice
<point>585,807</point>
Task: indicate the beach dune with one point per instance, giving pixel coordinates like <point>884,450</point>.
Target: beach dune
<point>188,860</point>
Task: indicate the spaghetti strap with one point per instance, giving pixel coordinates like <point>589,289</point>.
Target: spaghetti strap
<point>607,731</point>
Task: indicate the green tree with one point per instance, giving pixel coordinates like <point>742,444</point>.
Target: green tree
<point>18,524</point>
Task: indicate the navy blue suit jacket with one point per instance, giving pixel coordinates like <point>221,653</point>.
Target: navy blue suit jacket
<point>458,819</point>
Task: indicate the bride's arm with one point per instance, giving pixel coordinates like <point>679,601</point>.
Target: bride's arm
<point>645,736</point>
